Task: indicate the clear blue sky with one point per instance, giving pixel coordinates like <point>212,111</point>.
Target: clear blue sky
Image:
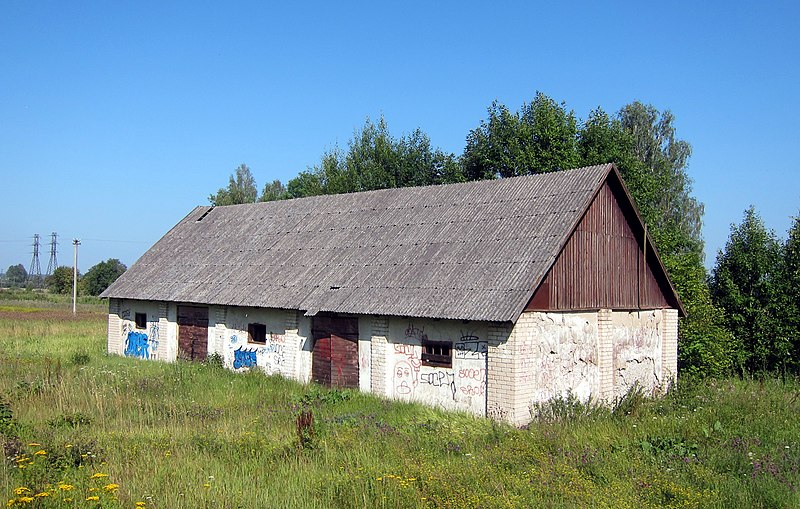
<point>117,118</point>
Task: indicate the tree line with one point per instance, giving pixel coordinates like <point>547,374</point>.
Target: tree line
<point>94,282</point>
<point>742,317</point>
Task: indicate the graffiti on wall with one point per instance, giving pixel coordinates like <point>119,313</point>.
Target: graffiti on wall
<point>470,347</point>
<point>139,344</point>
<point>271,356</point>
<point>136,345</point>
<point>469,379</point>
<point>441,378</point>
<point>244,358</point>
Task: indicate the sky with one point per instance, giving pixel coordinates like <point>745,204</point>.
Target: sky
<point>118,118</point>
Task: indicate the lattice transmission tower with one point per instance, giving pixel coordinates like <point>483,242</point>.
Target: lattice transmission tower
<point>35,271</point>
<point>53,263</point>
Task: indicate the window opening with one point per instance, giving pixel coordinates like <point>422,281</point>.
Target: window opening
<point>257,333</point>
<point>437,354</point>
<point>141,320</point>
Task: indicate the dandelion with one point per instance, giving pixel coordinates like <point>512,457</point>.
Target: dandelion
<point>65,487</point>
<point>93,498</point>
<point>111,487</point>
<point>42,494</point>
<point>21,490</point>
<point>140,504</point>
<point>98,475</point>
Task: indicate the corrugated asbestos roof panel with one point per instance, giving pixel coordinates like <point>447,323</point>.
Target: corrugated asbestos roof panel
<point>472,251</point>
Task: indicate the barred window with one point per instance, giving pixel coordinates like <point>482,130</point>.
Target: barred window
<point>435,353</point>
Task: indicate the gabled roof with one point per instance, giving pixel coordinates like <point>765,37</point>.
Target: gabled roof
<point>472,251</point>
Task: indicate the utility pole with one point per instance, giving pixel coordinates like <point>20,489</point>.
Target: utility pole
<point>76,243</point>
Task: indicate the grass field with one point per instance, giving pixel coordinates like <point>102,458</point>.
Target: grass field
<point>82,429</point>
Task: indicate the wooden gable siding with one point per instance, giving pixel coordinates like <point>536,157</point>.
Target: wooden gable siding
<point>601,265</point>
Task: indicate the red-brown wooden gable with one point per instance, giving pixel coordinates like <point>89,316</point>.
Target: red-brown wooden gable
<point>602,266</point>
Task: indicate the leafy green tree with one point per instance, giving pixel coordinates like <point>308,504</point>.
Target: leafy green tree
<point>241,189</point>
<point>662,186</point>
<point>744,283</point>
<point>60,281</point>
<point>100,276</point>
<point>376,160</point>
<point>16,275</point>
<point>541,137</point>
<point>273,191</point>
<point>788,302</point>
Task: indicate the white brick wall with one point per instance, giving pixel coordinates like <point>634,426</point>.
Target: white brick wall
<point>293,344</point>
<point>380,330</point>
<point>669,361</point>
<point>114,327</point>
<point>605,349</point>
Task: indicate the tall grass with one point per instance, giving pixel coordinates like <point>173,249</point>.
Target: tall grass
<point>195,435</point>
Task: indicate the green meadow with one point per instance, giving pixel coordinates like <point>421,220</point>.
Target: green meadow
<point>82,429</point>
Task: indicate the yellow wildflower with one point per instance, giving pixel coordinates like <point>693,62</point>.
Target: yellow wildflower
<point>65,487</point>
<point>40,452</point>
<point>68,499</point>
<point>98,475</point>
<point>42,494</point>
<point>140,504</point>
<point>25,500</point>
<point>10,502</point>
<point>206,485</point>
<point>111,487</point>
<point>21,490</point>
<point>93,489</point>
<point>34,444</point>
<point>93,498</point>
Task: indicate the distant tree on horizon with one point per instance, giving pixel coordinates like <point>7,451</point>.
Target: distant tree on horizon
<point>100,276</point>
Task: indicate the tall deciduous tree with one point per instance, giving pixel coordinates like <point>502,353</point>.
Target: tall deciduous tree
<point>241,189</point>
<point>539,138</point>
<point>100,276</point>
<point>662,185</point>
<point>273,191</point>
<point>744,283</point>
<point>16,275</point>
<point>376,160</point>
<point>789,296</point>
<point>60,281</point>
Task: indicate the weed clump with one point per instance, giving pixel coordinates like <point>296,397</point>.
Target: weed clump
<point>565,408</point>
<point>305,429</point>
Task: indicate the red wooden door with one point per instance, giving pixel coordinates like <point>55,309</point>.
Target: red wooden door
<point>335,357</point>
<point>193,332</point>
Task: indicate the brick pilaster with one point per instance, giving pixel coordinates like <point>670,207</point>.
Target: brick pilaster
<point>605,349</point>
<point>380,331</point>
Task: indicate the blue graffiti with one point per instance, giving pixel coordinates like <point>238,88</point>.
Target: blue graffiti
<point>136,345</point>
<point>244,358</point>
